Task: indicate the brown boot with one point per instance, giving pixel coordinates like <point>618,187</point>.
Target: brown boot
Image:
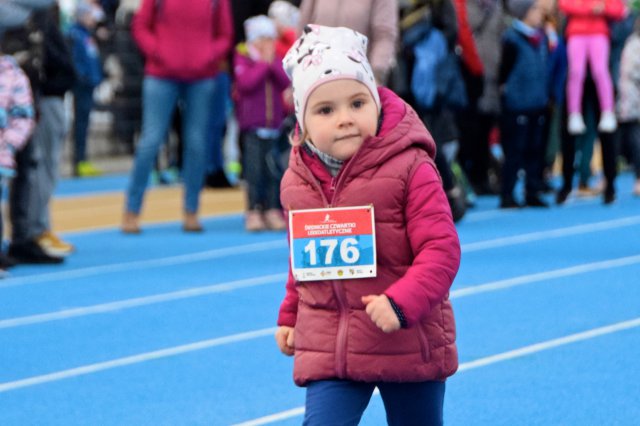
<point>191,223</point>
<point>131,223</point>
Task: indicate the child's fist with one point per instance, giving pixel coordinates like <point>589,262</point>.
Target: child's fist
<point>381,313</point>
<point>284,338</point>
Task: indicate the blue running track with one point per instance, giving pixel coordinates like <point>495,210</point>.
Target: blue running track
<point>172,329</point>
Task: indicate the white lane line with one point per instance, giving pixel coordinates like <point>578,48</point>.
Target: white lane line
<point>142,301</point>
<point>543,276</point>
<point>554,233</point>
<point>281,243</point>
<point>257,281</point>
<point>135,359</point>
<point>483,362</point>
<point>142,264</point>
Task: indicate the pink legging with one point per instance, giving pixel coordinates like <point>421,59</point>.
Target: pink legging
<point>594,48</point>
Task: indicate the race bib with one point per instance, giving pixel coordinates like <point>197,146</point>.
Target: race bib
<point>332,244</point>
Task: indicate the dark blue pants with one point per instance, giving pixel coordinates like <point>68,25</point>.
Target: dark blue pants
<point>522,142</point>
<point>341,402</point>
<point>82,106</point>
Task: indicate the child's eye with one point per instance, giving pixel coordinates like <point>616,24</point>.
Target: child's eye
<point>358,104</point>
<point>324,110</point>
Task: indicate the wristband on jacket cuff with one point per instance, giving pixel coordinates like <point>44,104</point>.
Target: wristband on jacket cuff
<point>399,314</point>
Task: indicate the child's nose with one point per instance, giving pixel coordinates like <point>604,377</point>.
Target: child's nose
<point>345,116</point>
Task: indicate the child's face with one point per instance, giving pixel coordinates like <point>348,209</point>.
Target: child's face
<point>339,116</point>
<point>535,16</point>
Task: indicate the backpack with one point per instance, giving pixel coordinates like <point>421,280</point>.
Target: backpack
<point>436,79</point>
<point>429,52</point>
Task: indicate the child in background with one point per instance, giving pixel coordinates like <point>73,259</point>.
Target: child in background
<point>16,124</point>
<point>86,59</point>
<point>587,35</point>
<point>285,15</point>
<point>361,145</point>
<point>260,81</point>
<point>524,84</point>
<point>629,100</point>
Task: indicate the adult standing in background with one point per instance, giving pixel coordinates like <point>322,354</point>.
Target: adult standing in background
<point>48,138</point>
<point>376,19</point>
<point>487,21</point>
<point>184,44</point>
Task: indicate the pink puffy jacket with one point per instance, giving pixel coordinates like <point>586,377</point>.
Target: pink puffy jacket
<point>418,255</point>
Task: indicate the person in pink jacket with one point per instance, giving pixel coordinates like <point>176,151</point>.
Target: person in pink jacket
<point>360,145</point>
<point>587,35</point>
<point>184,44</point>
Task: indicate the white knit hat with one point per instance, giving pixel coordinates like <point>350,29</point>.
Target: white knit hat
<point>259,26</point>
<point>284,13</point>
<point>324,54</point>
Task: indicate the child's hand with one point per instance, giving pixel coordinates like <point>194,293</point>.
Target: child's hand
<point>381,313</point>
<point>284,338</point>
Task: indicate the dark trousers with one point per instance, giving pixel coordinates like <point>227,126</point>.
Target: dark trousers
<point>20,194</point>
<point>474,156</point>
<point>263,188</point>
<point>342,402</point>
<point>522,136</point>
<point>609,147</point>
<point>82,106</point>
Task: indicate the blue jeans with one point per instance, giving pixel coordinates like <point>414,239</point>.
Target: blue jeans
<point>159,99</point>
<point>218,119</point>
<point>342,402</point>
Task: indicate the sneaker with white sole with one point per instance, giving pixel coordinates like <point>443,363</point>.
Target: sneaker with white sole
<point>608,122</point>
<point>576,124</point>
<point>53,245</point>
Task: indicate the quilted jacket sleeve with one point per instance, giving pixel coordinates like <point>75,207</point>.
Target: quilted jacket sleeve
<point>434,241</point>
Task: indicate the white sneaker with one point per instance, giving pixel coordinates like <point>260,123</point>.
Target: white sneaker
<point>576,124</point>
<point>608,123</point>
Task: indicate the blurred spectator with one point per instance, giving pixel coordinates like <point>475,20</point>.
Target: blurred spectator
<point>524,84</point>
<point>433,68</point>
<point>86,60</point>
<point>588,41</point>
<point>26,43</point>
<point>184,45</point>
<point>376,19</point>
<point>487,22</point>
<point>58,77</point>
<point>260,81</point>
<point>127,102</point>
<point>629,101</point>
<point>286,17</point>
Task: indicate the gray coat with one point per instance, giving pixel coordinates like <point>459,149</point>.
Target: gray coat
<point>377,19</point>
<point>487,20</point>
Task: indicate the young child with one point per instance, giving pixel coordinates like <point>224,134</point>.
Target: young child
<point>524,84</point>
<point>16,123</point>
<point>285,15</point>
<point>361,145</point>
<point>587,35</point>
<point>629,100</point>
<point>86,59</point>
<point>260,81</point>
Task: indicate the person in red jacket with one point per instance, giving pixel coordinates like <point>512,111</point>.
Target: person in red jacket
<point>587,35</point>
<point>184,45</point>
<point>360,145</point>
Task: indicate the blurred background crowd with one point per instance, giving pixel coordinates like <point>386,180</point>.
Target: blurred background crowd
<point>516,94</point>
